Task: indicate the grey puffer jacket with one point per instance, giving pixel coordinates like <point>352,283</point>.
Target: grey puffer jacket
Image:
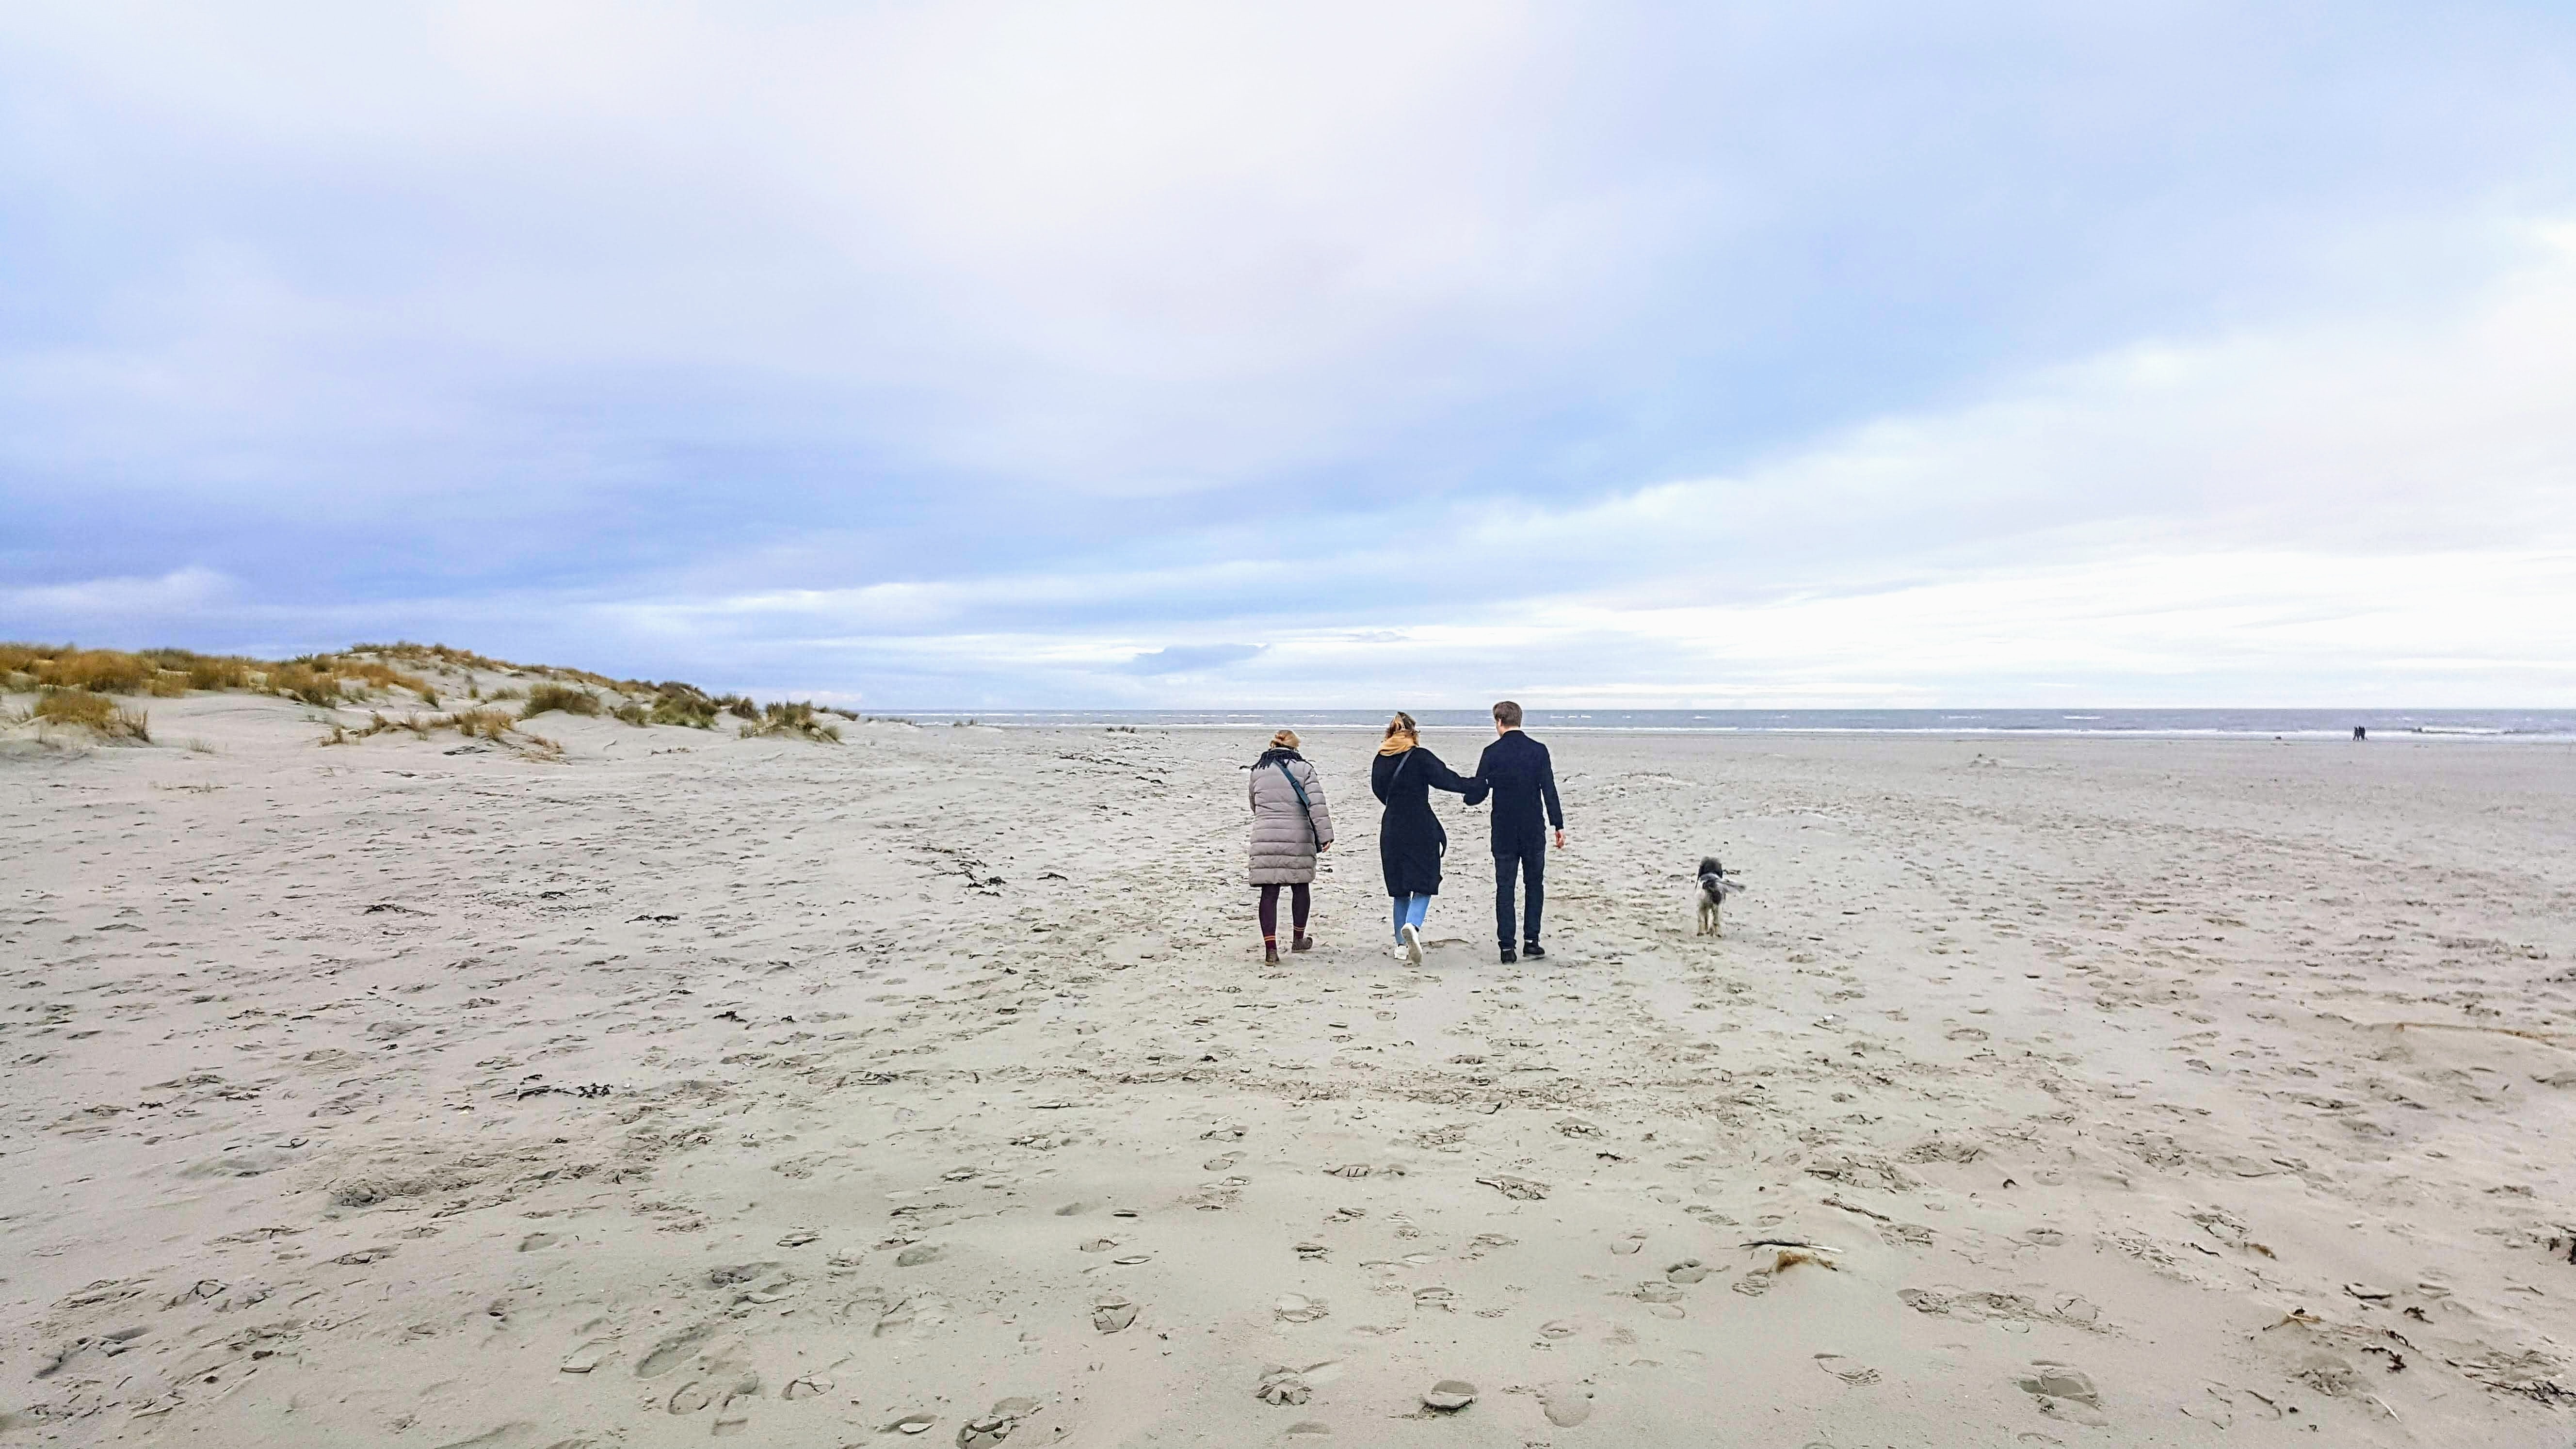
<point>1283,848</point>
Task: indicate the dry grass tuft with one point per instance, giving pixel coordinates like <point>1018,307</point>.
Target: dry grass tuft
<point>800,720</point>
<point>684,704</point>
<point>489,724</point>
<point>93,711</point>
<point>547,697</point>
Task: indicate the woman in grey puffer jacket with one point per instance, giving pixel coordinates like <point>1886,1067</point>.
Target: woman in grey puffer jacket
<point>1291,825</point>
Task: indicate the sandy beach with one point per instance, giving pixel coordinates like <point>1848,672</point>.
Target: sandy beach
<point>928,1088</point>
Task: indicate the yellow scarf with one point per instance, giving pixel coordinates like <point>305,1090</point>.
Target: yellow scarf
<point>1398,744</point>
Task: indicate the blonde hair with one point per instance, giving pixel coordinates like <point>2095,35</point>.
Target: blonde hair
<point>1284,740</point>
<point>1401,735</point>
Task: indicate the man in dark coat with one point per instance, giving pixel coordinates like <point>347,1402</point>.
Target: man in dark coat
<point>1522,780</point>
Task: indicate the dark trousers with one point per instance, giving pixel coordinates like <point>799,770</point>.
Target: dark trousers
<point>1299,896</point>
<point>1528,860</point>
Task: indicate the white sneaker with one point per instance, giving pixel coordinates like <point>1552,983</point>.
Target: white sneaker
<point>1403,955</point>
<point>1412,952</point>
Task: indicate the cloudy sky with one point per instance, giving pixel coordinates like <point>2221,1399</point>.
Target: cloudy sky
<point>968,354</point>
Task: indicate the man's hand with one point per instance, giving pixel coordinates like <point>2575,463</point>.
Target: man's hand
<point>1322,846</point>
<point>1560,840</point>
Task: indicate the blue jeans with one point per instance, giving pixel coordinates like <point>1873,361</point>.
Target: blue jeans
<point>1409,911</point>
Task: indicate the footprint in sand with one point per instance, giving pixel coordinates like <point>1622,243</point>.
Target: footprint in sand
<point>994,1427</point>
<point>1281,1385</point>
<point>1298,1308</point>
<point>668,1353</point>
<point>1629,1244</point>
<point>1114,1316</point>
<point>1688,1270</point>
<point>1449,1395</point>
<point>1847,1370</point>
<point>916,1255</point>
<point>1566,1408</point>
<point>690,1397</point>
<point>910,1424</point>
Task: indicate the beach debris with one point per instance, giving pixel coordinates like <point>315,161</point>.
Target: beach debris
<point>1520,1188</point>
<point>798,1237</point>
<point>1449,1395</point>
<point>911,1424</point>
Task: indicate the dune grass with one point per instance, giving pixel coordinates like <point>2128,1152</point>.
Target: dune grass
<point>319,679</point>
<point>548,697</point>
<point>803,721</point>
<point>485,724</point>
<point>97,712</point>
<point>365,674</point>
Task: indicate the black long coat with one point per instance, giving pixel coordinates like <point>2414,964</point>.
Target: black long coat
<point>1409,836</point>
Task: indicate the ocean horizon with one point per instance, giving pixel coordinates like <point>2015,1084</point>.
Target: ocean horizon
<point>2491,725</point>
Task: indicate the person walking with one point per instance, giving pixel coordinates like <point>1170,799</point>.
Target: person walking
<point>1291,825</point>
<point>1521,778</point>
<point>1410,840</point>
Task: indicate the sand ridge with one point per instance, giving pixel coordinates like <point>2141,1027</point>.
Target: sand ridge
<point>930,1086</point>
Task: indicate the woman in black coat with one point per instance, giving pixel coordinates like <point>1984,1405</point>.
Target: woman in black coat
<point>1409,837</point>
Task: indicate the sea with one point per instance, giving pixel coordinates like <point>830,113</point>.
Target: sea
<point>2464,725</point>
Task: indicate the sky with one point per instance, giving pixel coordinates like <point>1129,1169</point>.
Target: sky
<point>1319,356</point>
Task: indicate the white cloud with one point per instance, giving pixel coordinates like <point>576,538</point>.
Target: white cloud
<point>113,601</point>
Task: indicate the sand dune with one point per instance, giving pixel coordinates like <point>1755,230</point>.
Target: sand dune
<point>928,1088</point>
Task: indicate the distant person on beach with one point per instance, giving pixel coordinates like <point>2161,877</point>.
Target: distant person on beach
<point>1409,838</point>
<point>1522,779</point>
<point>1291,825</point>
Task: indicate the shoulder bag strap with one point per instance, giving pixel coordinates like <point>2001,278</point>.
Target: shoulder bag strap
<point>1304,807</point>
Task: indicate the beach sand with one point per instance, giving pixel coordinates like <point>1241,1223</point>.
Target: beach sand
<point>929,1088</point>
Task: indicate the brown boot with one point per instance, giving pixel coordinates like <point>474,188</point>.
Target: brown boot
<point>1303,942</point>
<point>1269,953</point>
